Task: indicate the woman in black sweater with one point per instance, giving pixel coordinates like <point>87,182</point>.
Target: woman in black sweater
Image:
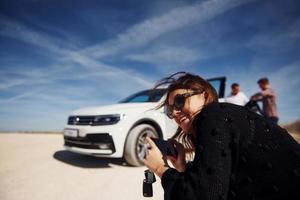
<point>238,154</point>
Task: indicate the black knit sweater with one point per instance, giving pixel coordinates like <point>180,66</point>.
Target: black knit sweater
<point>239,155</point>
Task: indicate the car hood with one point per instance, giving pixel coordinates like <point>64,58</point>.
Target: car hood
<point>115,109</point>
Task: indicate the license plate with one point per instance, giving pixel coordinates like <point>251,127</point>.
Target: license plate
<point>71,132</point>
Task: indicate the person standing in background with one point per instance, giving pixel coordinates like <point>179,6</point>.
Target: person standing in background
<point>268,98</point>
<point>236,96</point>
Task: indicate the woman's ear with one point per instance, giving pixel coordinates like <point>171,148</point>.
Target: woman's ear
<point>205,96</point>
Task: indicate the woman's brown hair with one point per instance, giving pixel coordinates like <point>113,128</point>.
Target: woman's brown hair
<point>184,80</point>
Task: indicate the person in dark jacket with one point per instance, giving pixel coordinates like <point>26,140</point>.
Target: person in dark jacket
<point>238,154</point>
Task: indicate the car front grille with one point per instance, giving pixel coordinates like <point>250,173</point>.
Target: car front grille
<point>91,141</point>
<point>81,120</point>
<point>98,120</point>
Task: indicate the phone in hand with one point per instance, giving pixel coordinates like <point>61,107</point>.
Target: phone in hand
<point>166,147</point>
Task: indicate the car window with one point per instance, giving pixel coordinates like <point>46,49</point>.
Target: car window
<point>145,96</point>
<point>219,85</point>
<point>157,97</point>
<point>216,84</point>
<point>156,94</point>
<point>142,98</point>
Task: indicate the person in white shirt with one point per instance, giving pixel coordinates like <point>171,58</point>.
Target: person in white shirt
<point>236,96</point>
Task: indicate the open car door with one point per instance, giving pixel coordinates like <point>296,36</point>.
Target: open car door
<point>219,84</point>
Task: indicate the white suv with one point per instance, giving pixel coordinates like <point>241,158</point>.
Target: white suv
<point>119,130</point>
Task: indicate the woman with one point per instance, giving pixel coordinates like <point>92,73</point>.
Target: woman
<point>237,153</point>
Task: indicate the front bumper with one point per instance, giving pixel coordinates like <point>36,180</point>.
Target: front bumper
<point>92,144</point>
<point>100,141</point>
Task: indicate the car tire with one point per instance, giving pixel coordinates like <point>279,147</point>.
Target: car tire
<point>134,143</point>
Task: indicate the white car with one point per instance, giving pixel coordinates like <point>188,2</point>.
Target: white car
<point>119,130</point>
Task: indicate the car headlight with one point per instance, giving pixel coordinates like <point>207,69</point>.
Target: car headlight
<point>95,120</point>
<point>106,120</point>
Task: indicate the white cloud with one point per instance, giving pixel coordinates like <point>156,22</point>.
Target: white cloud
<point>137,35</point>
<point>18,31</point>
<point>85,67</point>
<point>34,76</point>
<point>150,29</point>
<point>167,55</point>
<point>281,40</point>
<point>286,79</point>
<point>110,72</point>
<point>294,29</point>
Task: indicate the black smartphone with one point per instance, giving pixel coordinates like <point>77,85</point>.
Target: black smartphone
<point>166,148</point>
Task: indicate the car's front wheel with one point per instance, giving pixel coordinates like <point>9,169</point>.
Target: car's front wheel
<point>135,143</point>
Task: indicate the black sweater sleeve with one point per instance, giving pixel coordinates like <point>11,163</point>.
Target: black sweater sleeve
<point>209,175</point>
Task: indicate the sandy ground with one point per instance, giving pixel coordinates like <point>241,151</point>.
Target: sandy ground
<point>36,167</point>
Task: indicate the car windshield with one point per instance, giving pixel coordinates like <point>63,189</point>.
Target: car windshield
<point>145,96</point>
<point>156,94</point>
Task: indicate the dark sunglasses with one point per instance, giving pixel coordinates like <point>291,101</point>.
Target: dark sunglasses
<point>179,101</point>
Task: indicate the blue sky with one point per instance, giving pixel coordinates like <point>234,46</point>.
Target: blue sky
<point>57,56</point>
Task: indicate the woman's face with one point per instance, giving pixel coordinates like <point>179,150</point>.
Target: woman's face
<point>192,106</point>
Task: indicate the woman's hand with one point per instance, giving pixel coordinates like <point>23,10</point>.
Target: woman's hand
<point>155,160</point>
<point>179,163</point>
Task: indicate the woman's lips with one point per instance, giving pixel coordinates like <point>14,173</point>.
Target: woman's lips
<point>182,119</point>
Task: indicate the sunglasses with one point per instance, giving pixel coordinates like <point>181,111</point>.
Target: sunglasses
<point>179,102</point>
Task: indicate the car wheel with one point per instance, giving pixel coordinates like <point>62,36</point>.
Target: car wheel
<point>135,142</point>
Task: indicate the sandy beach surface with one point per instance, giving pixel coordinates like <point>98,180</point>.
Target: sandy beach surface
<point>36,167</point>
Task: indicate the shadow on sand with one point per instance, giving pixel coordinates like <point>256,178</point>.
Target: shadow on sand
<point>86,161</point>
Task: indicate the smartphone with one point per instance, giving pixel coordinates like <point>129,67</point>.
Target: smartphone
<point>166,148</point>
